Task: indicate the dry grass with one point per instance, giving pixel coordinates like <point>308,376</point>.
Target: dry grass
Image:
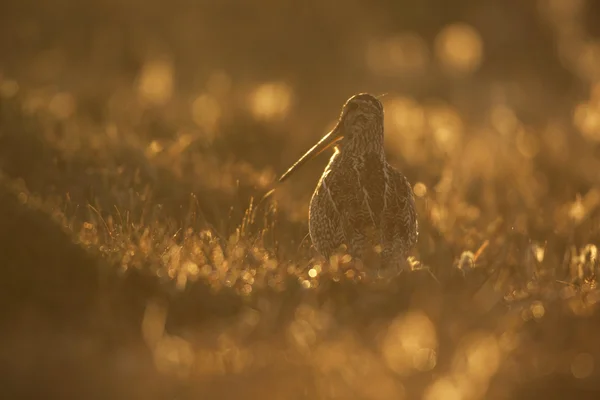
<point>134,270</point>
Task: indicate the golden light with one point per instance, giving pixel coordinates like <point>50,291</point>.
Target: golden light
<point>191,268</point>
<point>582,206</point>
<point>582,365</point>
<point>504,120</point>
<point>155,83</point>
<point>459,48</point>
<point>527,143</point>
<point>8,88</point>
<point>590,253</point>
<point>219,83</point>
<point>302,334</point>
<point>483,356</point>
<point>560,10</point>
<point>153,323</point>
<point>587,60</point>
<point>154,148</point>
<point>62,105</point>
<point>508,341</point>
<point>537,309</point>
<point>478,157</point>
<point>271,101</point>
<point>420,189</point>
<point>33,102</point>
<point>443,389</point>
<point>410,344</point>
<point>586,118</point>
<point>206,112</point>
<point>397,55</point>
<point>446,126</point>
<point>174,355</point>
<point>538,251</point>
<point>477,359</point>
<point>23,197</point>
<point>425,359</point>
<point>184,138</point>
<point>405,125</point>
<point>405,116</point>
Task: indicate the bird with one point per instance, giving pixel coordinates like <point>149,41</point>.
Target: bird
<point>361,202</point>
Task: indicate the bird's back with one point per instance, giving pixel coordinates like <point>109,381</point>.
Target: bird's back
<point>399,223</point>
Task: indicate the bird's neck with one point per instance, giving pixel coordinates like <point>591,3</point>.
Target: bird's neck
<point>364,142</point>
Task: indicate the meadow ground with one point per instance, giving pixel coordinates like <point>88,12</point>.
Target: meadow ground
<point>134,137</point>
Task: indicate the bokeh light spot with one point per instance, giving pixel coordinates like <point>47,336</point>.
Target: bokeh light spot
<point>271,101</point>
<point>153,323</point>
<point>582,365</point>
<point>397,55</point>
<point>206,112</point>
<point>527,143</point>
<point>504,119</point>
<point>62,105</point>
<point>420,189</point>
<point>586,118</point>
<point>425,359</point>
<point>410,343</point>
<point>443,389</point>
<point>155,83</point>
<point>459,48</point>
<point>447,126</point>
<point>174,355</point>
<point>154,148</point>
<point>406,116</point>
<point>537,309</point>
<point>8,88</point>
<point>405,125</point>
<point>478,357</point>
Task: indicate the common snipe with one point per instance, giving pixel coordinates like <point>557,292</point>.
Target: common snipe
<point>361,201</point>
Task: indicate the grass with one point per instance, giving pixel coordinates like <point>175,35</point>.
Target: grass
<point>491,275</point>
<point>133,267</point>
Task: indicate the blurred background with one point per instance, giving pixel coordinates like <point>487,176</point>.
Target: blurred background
<point>135,136</point>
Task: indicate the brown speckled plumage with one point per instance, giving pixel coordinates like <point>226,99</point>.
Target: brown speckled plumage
<point>361,201</point>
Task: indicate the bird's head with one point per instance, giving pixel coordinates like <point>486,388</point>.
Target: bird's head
<point>358,112</point>
<point>359,129</point>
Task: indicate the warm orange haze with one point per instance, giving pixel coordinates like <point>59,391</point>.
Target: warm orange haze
<point>138,137</point>
<point>362,208</point>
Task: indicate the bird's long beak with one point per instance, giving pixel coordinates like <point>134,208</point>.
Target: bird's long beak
<point>326,142</point>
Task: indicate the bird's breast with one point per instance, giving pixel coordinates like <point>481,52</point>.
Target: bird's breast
<point>357,186</point>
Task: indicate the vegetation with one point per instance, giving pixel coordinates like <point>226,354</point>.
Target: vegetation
<point>135,138</point>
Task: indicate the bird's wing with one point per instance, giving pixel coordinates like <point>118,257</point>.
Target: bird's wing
<point>399,219</point>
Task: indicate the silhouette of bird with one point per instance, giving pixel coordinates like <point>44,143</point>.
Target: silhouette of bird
<point>361,201</point>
